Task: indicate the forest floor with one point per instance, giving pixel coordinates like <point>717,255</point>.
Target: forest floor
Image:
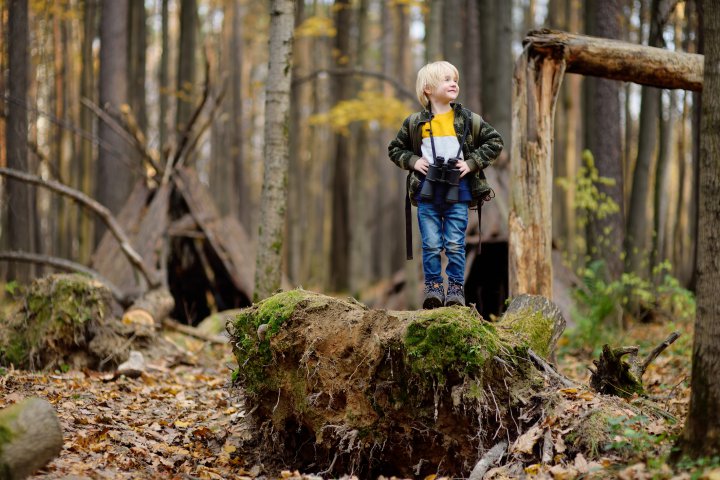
<point>186,421</point>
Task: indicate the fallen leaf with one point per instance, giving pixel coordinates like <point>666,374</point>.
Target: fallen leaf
<point>526,442</point>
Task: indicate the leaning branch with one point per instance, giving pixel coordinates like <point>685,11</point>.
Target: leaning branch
<point>135,259</point>
<point>65,265</point>
<point>658,350</point>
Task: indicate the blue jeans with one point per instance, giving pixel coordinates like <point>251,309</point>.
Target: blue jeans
<point>442,227</point>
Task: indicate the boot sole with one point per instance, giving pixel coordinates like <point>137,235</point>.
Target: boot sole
<point>432,303</point>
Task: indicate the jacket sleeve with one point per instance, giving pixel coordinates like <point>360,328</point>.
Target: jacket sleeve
<point>489,146</point>
<point>400,149</point>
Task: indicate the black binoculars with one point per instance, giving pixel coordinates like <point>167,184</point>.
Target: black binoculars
<point>442,172</point>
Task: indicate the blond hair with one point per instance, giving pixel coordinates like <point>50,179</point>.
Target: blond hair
<point>430,76</point>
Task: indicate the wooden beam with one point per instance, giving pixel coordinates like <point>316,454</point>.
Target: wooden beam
<point>616,60</point>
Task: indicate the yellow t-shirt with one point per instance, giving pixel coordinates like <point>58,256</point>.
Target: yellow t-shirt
<point>446,142</point>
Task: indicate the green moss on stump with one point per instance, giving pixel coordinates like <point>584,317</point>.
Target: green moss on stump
<point>449,340</point>
<point>56,313</point>
<point>252,353</point>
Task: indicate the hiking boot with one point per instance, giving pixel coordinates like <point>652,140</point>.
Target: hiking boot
<point>455,295</point>
<point>434,296</point>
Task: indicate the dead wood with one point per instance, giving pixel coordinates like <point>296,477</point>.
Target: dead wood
<point>616,374</point>
<point>153,307</point>
<point>193,332</point>
<point>30,436</point>
<point>489,459</point>
<point>66,265</point>
<point>69,321</point>
<point>113,226</point>
<point>618,60</point>
<point>395,390</point>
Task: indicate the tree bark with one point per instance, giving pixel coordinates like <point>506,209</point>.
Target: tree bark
<point>87,124</point>
<point>273,203</point>
<point>164,76</point>
<point>627,62</point>
<point>186,65</point>
<point>114,171</point>
<point>536,80</point>
<point>342,161</point>
<point>605,235</point>
<point>638,234</point>
<point>701,436</point>
<point>536,85</point>
<point>30,436</point>
<point>21,217</point>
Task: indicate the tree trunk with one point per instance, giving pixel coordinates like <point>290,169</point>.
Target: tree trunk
<point>453,41</point>
<point>21,217</point>
<point>30,436</point>
<point>164,77</point>
<point>273,202</point>
<point>114,174</point>
<point>535,89</point>
<point>536,82</point>
<point>186,65</point>
<point>340,230</point>
<point>472,65</point>
<point>605,235</point>
<point>137,56</point>
<point>497,33</point>
<point>702,427</point>
<point>395,388</point>
<point>87,124</point>
<point>663,192</point>
<point>434,30</point>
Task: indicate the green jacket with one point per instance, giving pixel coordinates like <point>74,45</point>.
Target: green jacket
<point>482,146</point>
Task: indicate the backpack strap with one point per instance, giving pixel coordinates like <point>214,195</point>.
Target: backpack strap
<point>476,125</point>
<point>408,221</point>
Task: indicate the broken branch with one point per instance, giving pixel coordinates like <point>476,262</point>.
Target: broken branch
<point>135,259</point>
<point>66,265</point>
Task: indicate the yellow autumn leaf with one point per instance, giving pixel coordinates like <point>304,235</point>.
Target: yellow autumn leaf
<point>181,424</point>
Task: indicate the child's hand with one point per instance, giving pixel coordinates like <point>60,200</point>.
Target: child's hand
<point>463,167</point>
<point>422,165</point>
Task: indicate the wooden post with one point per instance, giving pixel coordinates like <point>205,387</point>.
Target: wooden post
<point>538,74</point>
<point>536,84</point>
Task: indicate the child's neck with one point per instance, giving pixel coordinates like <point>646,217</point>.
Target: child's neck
<point>439,107</point>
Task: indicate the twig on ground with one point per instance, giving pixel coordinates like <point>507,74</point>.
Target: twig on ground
<point>490,458</point>
<point>547,368</point>
<point>193,332</point>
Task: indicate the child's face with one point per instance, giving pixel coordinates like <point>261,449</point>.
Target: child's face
<point>446,91</point>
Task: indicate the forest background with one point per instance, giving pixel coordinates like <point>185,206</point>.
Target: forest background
<point>624,214</point>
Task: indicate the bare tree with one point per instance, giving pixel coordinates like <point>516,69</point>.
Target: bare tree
<point>20,201</point>
<point>273,201</point>
<point>340,236</point>
<point>114,172</point>
<point>637,224</point>
<point>702,427</point>
<point>603,115</point>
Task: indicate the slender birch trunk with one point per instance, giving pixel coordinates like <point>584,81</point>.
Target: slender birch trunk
<point>273,202</point>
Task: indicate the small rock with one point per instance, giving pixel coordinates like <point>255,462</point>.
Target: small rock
<point>133,367</point>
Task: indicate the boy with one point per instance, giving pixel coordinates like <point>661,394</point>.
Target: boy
<point>445,147</point>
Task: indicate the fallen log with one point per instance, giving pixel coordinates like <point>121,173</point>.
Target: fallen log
<point>30,436</point>
<point>340,388</point>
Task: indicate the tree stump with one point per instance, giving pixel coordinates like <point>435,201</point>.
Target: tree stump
<point>30,436</point>
<point>338,388</point>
